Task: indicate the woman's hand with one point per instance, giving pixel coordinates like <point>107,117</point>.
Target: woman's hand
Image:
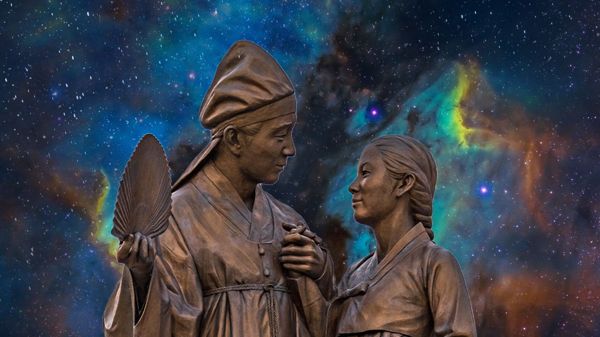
<point>137,252</point>
<point>301,253</point>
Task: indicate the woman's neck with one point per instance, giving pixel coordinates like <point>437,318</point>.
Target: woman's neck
<point>392,228</point>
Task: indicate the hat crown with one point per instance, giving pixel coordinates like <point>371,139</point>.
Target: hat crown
<point>246,79</point>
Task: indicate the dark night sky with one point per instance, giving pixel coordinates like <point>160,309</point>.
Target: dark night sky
<point>506,94</point>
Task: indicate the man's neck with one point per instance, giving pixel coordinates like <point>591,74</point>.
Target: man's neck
<point>246,189</point>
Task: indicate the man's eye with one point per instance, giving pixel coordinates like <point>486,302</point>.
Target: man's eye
<point>364,173</point>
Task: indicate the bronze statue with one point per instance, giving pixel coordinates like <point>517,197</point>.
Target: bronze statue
<point>409,286</point>
<point>217,270</point>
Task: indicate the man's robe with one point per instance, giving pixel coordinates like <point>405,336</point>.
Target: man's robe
<point>218,273</point>
<point>416,290</point>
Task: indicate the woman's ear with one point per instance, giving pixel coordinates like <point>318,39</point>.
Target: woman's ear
<point>405,184</point>
<point>231,138</point>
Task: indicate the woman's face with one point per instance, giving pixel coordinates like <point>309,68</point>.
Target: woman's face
<point>373,196</point>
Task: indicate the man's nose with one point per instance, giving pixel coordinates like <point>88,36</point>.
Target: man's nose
<point>289,149</point>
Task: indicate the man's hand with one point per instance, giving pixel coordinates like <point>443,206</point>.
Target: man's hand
<point>137,252</point>
<point>301,253</point>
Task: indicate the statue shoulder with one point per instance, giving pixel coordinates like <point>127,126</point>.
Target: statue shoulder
<point>356,273</point>
<point>185,198</point>
<point>440,257</point>
<point>182,195</point>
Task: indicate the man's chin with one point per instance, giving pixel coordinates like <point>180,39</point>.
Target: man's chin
<point>271,180</point>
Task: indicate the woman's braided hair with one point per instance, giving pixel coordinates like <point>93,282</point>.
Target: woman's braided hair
<point>402,155</point>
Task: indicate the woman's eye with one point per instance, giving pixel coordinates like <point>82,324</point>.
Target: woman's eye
<point>364,173</point>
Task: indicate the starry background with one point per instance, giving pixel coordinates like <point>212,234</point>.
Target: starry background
<point>506,94</point>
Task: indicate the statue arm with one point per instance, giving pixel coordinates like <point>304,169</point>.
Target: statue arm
<point>313,293</point>
<point>301,243</point>
<point>448,297</point>
<point>326,282</point>
<point>173,302</point>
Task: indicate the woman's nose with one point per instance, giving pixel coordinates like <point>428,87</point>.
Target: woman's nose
<point>353,188</point>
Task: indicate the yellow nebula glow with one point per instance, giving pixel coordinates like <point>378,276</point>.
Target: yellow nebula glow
<point>103,221</point>
<point>456,97</point>
<point>103,194</point>
<point>514,132</point>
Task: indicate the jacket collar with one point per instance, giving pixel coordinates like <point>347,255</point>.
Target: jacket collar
<point>414,234</point>
<point>218,189</point>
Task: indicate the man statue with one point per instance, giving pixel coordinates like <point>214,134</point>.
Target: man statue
<point>218,268</point>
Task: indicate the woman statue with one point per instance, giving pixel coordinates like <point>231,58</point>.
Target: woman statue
<point>216,270</point>
<point>409,286</point>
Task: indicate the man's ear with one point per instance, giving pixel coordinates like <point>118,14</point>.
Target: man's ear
<point>231,138</point>
<point>405,184</point>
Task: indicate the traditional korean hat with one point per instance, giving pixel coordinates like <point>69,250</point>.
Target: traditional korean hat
<point>249,87</point>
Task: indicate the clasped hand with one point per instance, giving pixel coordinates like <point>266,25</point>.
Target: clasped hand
<point>301,253</point>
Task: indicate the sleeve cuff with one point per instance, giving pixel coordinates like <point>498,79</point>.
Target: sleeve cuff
<point>325,281</point>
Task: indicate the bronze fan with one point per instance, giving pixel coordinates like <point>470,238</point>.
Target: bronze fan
<point>144,197</point>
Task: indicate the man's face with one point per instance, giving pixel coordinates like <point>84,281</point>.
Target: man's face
<point>265,154</point>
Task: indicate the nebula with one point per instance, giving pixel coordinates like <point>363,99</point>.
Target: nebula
<point>504,94</point>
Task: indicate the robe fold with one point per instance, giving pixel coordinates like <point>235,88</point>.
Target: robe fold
<point>218,273</point>
<point>416,290</point>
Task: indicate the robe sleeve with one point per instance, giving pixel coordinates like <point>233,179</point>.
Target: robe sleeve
<point>326,282</point>
<point>448,297</point>
<point>313,296</point>
<point>173,305</point>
